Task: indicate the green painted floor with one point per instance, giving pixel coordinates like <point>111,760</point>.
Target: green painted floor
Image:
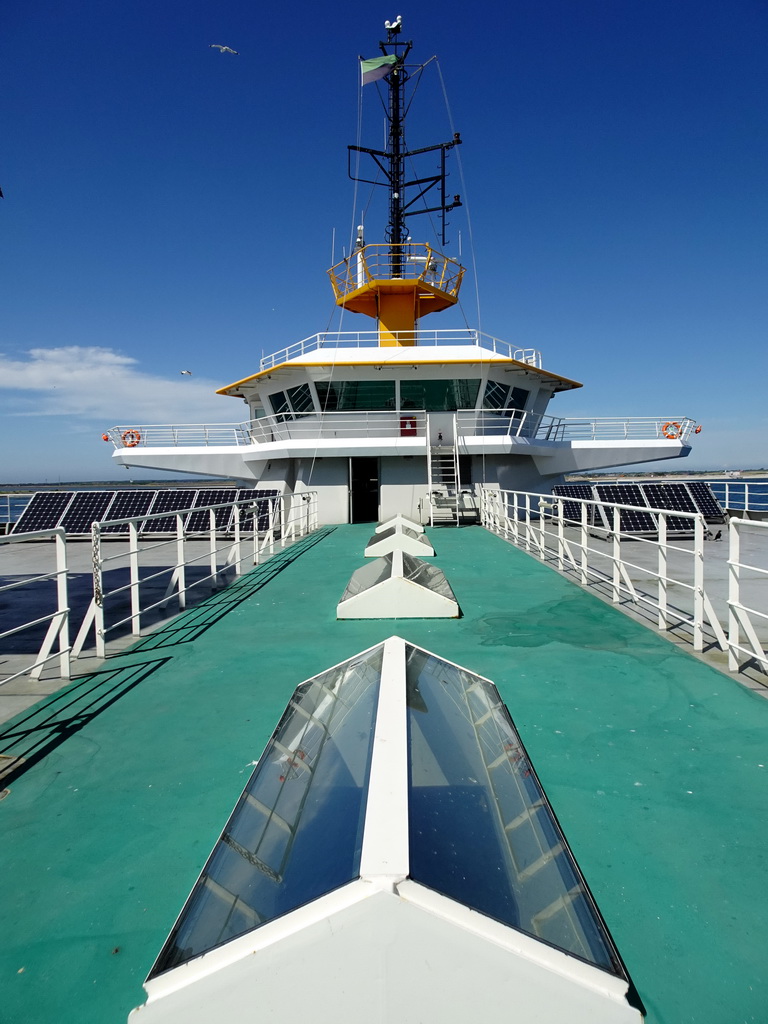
<point>656,764</point>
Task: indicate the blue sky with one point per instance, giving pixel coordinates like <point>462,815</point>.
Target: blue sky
<point>170,207</point>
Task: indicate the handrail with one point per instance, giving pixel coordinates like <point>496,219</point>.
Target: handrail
<point>57,633</point>
<point>288,517</point>
<point>389,423</point>
<point>418,338</point>
<point>538,523</point>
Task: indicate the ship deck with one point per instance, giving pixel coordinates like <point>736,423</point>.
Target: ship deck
<point>656,764</point>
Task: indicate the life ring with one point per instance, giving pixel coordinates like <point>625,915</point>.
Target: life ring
<point>670,430</point>
<point>131,438</point>
<point>105,437</point>
<point>698,429</point>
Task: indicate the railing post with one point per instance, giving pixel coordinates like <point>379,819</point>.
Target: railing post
<point>616,549</point>
<point>135,577</point>
<point>734,593</point>
<point>698,583</point>
<point>212,549</point>
<point>236,512</point>
<point>283,518</point>
<point>584,560</point>
<point>181,575</point>
<point>98,591</point>
<point>663,622</point>
<point>62,600</point>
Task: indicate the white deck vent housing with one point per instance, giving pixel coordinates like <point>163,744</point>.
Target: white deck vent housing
<point>399,538</point>
<point>400,521</point>
<point>393,857</point>
<point>398,586</point>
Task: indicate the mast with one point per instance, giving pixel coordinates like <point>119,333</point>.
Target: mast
<point>401,281</point>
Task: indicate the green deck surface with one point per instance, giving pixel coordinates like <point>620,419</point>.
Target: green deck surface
<point>656,765</point>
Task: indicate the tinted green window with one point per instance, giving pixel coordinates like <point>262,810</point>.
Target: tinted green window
<point>279,402</point>
<point>356,395</point>
<point>301,398</point>
<point>501,396</point>
<point>438,395</point>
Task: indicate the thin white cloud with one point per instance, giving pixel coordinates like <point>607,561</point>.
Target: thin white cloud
<point>93,383</point>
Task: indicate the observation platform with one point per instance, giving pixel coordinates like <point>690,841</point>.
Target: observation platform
<point>654,762</point>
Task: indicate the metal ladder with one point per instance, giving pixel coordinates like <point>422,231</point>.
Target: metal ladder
<point>444,484</point>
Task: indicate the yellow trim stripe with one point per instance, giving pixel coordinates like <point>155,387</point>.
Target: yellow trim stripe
<point>393,362</point>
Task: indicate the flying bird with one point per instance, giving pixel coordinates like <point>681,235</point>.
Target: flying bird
<point>185,373</point>
<point>223,49</point>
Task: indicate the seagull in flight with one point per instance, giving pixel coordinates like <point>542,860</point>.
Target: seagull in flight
<point>223,49</point>
<point>185,373</point>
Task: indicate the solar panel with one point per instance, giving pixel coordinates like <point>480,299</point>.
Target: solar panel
<point>86,507</point>
<point>672,496</point>
<point>126,505</point>
<point>706,502</point>
<point>200,522</point>
<point>572,509</point>
<point>630,520</point>
<point>43,512</point>
<point>262,504</point>
<point>168,501</point>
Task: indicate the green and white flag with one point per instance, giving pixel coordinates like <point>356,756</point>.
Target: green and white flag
<point>378,67</point>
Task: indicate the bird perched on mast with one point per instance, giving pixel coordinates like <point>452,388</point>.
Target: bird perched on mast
<point>223,49</point>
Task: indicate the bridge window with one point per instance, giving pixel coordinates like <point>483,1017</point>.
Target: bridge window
<point>439,395</point>
<point>355,395</point>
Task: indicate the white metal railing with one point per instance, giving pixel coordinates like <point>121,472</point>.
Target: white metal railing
<point>149,564</point>
<point>746,495</point>
<point>419,338</point>
<point>598,557</point>
<point>393,423</point>
<point>57,633</point>
<point>742,613</point>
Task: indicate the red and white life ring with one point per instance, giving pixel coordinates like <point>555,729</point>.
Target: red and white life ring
<point>131,438</point>
<point>671,430</point>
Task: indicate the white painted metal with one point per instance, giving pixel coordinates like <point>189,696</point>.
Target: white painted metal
<point>400,520</point>
<point>399,538</point>
<point>536,523</point>
<point>384,948</point>
<point>382,589</point>
<point>57,633</point>
<point>295,514</point>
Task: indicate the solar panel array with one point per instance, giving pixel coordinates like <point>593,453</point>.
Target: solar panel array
<point>572,509</point>
<point>694,496</point>
<point>75,511</point>
<point>706,501</point>
<point>630,520</point>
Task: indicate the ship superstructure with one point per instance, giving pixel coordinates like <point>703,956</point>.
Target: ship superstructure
<point>400,418</point>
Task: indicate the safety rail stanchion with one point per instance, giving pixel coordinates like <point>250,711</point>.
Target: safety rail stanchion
<point>213,550</point>
<point>135,577</point>
<point>98,591</point>
<point>282,521</point>
<point>236,546</point>
<point>584,560</point>
<point>698,583</point>
<point>662,567</point>
<point>179,572</point>
<point>616,556</point>
<point>734,593</point>
<point>560,535</point>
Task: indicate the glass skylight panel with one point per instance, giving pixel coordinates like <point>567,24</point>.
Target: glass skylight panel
<point>426,575</point>
<point>296,832</point>
<point>473,788</point>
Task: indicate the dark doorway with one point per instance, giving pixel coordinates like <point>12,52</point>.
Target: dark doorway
<point>364,490</point>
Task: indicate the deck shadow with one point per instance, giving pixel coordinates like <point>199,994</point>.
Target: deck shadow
<point>29,738</point>
<point>190,625</point>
